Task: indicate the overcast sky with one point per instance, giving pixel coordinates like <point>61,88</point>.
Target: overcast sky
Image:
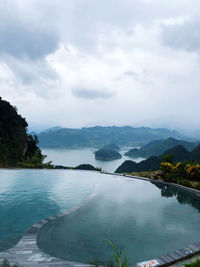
<point>77,63</point>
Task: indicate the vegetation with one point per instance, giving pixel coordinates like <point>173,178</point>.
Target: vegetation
<point>150,164</point>
<point>158,147</point>
<point>195,263</point>
<point>100,136</point>
<point>106,154</point>
<point>87,167</point>
<point>182,173</point>
<point>116,258</point>
<point>17,147</point>
<point>117,255</point>
<point>5,263</point>
<point>176,154</point>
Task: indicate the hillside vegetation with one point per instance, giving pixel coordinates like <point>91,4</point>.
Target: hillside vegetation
<point>17,148</point>
<point>107,154</point>
<point>157,147</point>
<point>178,153</point>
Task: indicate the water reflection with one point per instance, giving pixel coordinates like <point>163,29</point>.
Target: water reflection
<point>183,197</point>
<point>145,219</point>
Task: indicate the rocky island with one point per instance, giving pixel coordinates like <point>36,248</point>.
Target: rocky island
<point>107,154</point>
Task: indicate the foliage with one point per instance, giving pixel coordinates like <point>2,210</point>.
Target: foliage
<point>168,158</point>
<point>116,257</point>
<point>181,172</point>
<point>193,264</point>
<point>117,254</point>
<point>5,263</point>
<point>107,154</point>
<point>17,147</point>
<point>86,167</point>
<point>158,147</point>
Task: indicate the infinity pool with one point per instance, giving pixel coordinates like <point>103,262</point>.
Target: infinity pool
<point>144,219</point>
<point>28,196</point>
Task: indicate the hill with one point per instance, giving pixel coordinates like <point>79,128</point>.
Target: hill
<point>101,136</point>
<point>157,147</point>
<point>107,154</point>
<point>152,163</point>
<point>16,146</point>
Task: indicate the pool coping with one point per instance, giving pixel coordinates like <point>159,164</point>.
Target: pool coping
<point>27,253</point>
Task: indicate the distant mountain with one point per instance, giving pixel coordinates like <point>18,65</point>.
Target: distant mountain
<point>99,136</point>
<point>107,154</point>
<point>152,163</point>
<point>157,147</point>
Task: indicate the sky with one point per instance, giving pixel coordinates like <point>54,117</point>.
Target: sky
<point>80,63</point>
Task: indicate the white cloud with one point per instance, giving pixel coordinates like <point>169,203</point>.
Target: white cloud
<point>120,61</point>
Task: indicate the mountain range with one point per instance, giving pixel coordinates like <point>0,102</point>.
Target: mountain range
<point>99,136</point>
<point>157,147</point>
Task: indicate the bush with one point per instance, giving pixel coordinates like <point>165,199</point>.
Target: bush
<point>193,264</point>
<point>181,172</point>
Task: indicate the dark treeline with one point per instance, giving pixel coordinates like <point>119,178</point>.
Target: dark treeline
<point>17,147</point>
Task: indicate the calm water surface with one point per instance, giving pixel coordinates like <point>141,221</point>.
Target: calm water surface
<point>75,157</point>
<point>145,220</point>
<point>28,196</point>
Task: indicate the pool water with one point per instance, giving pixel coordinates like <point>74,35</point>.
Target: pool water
<point>28,196</point>
<point>145,220</point>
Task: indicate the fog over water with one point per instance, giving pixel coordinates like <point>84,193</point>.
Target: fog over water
<point>75,157</point>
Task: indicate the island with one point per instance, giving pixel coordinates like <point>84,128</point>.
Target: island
<point>107,154</point>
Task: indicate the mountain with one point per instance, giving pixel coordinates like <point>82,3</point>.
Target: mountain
<point>107,154</point>
<point>157,147</point>
<point>152,163</point>
<point>100,136</point>
<point>16,146</point>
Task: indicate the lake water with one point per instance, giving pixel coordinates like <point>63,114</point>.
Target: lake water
<point>75,157</point>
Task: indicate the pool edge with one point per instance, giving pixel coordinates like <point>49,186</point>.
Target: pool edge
<point>27,253</point>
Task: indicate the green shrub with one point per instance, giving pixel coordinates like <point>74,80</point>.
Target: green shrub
<point>193,264</point>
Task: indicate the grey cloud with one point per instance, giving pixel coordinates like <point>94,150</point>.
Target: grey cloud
<point>92,93</point>
<point>26,41</point>
<point>25,31</point>
<point>184,36</point>
<point>28,71</point>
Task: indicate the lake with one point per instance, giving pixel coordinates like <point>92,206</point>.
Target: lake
<point>75,157</point>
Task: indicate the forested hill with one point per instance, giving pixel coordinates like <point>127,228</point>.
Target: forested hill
<point>157,147</point>
<point>17,148</point>
<point>100,136</point>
